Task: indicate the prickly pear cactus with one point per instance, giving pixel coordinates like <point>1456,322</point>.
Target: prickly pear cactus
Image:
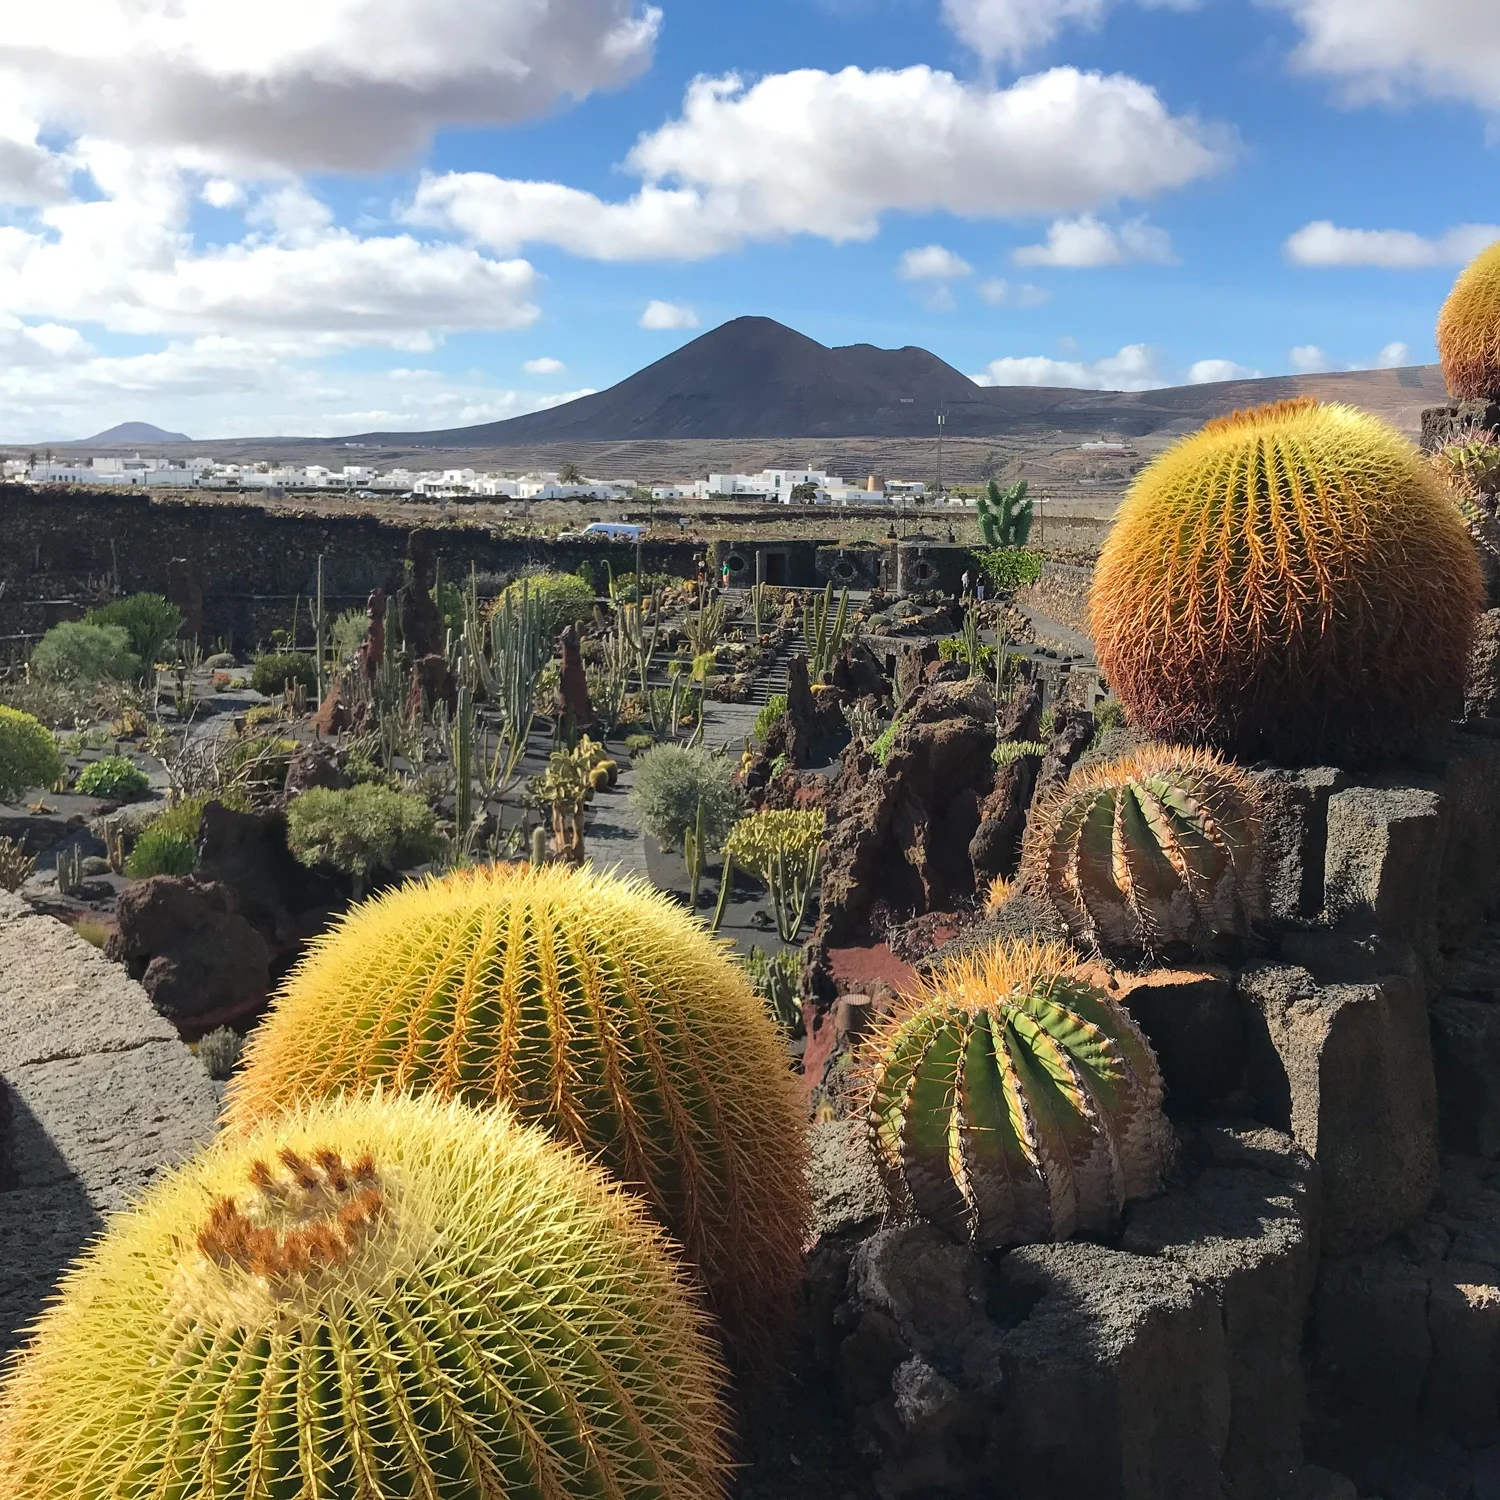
<point>1158,847</point>
<point>371,1298</point>
<point>1012,1102</point>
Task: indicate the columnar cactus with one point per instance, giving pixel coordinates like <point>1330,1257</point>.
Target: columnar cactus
<point>1288,582</point>
<point>1468,330</point>
<point>596,1007</point>
<point>371,1298</point>
<point>1158,847</point>
<point>1012,1102</point>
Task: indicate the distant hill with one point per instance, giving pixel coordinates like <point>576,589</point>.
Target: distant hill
<point>756,378</point>
<point>135,432</point>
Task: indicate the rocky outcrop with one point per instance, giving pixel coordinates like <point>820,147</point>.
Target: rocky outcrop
<point>995,848</point>
<point>314,766</point>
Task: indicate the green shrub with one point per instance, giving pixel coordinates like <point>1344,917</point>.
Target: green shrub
<point>671,781</point>
<point>1109,713</point>
<point>1009,568</point>
<point>114,777</point>
<point>275,669</point>
<point>565,598</point>
<point>147,619</point>
<point>220,1052</point>
<point>220,661</point>
<point>348,634</point>
<point>160,851</point>
<point>260,763</point>
<point>79,653</point>
<point>57,705</point>
<point>28,754</point>
<point>881,749</point>
<point>639,744</point>
<point>361,831</point>
<point>770,716</point>
<point>363,771</point>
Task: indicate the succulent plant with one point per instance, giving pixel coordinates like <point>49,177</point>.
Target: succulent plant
<point>1290,581</point>
<point>29,756</point>
<point>1012,1102</point>
<point>597,1007</point>
<point>783,847</point>
<point>1158,847</point>
<point>371,1297</point>
<point>1468,330</point>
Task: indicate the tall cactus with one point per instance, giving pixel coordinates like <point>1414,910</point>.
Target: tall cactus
<point>824,629</point>
<point>1012,1102</point>
<point>1158,847</point>
<point>593,1005</point>
<point>371,1298</point>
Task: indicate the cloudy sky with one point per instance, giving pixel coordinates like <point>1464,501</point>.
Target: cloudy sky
<point>239,217</point>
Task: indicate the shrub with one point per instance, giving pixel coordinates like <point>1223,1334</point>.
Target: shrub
<point>670,783</point>
<point>881,749</point>
<point>639,744</point>
<point>1158,847</point>
<point>55,704</point>
<point>29,756</point>
<point>770,716</point>
<point>220,661</point>
<point>273,671</point>
<point>1007,569</point>
<point>114,777</point>
<point>260,764</point>
<point>15,865</point>
<point>160,852</point>
<point>362,830</point>
<point>147,620</point>
<point>220,1052</point>
<point>1468,330</point>
<point>348,634</point>
<point>594,1006</point>
<point>1289,582</point>
<point>1013,1103</point>
<point>563,598</point>
<point>375,1298</point>
<point>77,653</point>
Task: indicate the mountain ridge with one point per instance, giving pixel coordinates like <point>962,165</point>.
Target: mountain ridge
<point>135,432</point>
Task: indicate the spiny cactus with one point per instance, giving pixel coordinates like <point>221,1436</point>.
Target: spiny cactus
<point>1291,582</point>
<point>371,1297</point>
<point>784,849</point>
<point>1012,1102</point>
<point>1158,847</point>
<point>598,1008</point>
<point>1468,330</point>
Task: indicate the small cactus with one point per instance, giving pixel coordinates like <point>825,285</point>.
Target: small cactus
<point>372,1298</point>
<point>1012,1102</point>
<point>1158,847</point>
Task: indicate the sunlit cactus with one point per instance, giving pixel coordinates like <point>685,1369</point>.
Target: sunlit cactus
<point>1159,847</point>
<point>1288,582</point>
<point>372,1298</point>
<point>1468,330</point>
<point>1012,1102</point>
<point>595,1006</point>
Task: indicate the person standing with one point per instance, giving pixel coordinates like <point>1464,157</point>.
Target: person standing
<point>964,585</point>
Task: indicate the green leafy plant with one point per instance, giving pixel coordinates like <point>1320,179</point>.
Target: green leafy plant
<point>881,749</point>
<point>29,756</point>
<point>274,670</point>
<point>770,715</point>
<point>220,1052</point>
<point>1012,1102</point>
<point>148,620</point>
<point>77,653</point>
<point>1005,514</point>
<point>114,777</point>
<point>561,599</point>
<point>639,744</point>
<point>362,830</point>
<point>672,782</point>
<point>161,852</point>
<point>1007,569</point>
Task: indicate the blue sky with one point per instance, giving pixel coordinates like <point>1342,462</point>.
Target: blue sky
<point>322,216</point>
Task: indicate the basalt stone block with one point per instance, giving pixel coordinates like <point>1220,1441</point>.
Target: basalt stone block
<point>1383,860</point>
<point>1347,1071</point>
<point>1469,882</point>
<point>1466,1064</point>
<point>1294,835</point>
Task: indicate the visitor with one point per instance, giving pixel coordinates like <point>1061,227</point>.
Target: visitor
<point>979,591</point>
<point>724,574</point>
<point>964,585</point>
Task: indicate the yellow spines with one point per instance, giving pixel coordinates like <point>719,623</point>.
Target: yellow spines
<point>372,1297</point>
<point>1468,330</point>
<point>1288,582</point>
<point>599,1009</point>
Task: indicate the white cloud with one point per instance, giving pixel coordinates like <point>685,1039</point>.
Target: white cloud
<point>1001,293</point>
<point>1086,241</point>
<point>932,263</point>
<point>829,154</point>
<point>302,85</point>
<point>665,315</point>
<point>1394,356</point>
<point>1309,359</point>
<point>220,192</point>
<point>1006,30</point>
<point>1395,49</point>
<point>1134,368</point>
<point>1210,371</point>
<point>1323,243</point>
<point>544,366</point>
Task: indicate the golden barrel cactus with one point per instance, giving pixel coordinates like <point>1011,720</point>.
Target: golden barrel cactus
<point>1468,330</point>
<point>370,1298</point>
<point>1012,1102</point>
<point>1159,847</point>
<point>1289,582</point>
<point>594,1006</point>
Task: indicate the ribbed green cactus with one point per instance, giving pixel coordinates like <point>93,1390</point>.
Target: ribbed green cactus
<point>386,1297</point>
<point>1013,1102</point>
<point>1158,847</point>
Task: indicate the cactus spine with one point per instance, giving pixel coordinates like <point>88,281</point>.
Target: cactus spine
<point>1468,330</point>
<point>1012,1102</point>
<point>597,1007</point>
<point>377,1297</point>
<point>1158,847</point>
<point>1291,582</point>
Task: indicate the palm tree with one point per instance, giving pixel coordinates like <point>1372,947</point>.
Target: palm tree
<point>570,473</point>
